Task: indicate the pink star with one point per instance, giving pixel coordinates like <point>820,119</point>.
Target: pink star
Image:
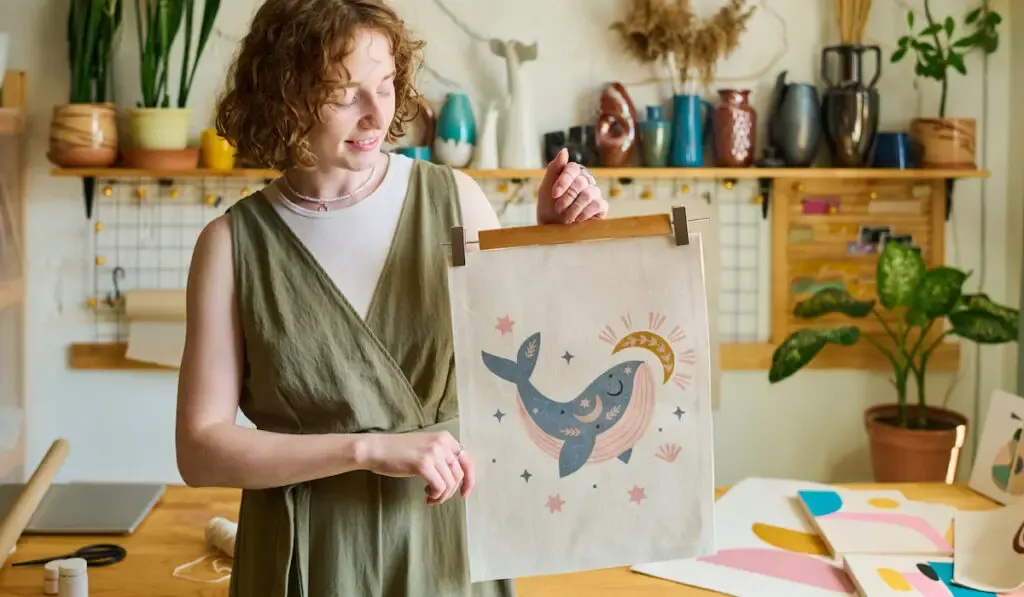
<point>636,494</point>
<point>504,325</point>
<point>555,503</point>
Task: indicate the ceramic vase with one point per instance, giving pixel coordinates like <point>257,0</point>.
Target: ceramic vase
<point>581,146</point>
<point>83,136</point>
<point>485,156</point>
<point>655,138</point>
<point>735,129</point>
<point>159,128</point>
<point>948,143</point>
<point>690,115</point>
<point>616,129</point>
<point>455,136</point>
<point>520,140</point>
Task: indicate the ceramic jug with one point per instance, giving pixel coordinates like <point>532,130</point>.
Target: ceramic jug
<point>690,115</point>
<point>794,128</point>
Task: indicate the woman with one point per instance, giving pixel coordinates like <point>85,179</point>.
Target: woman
<point>319,306</point>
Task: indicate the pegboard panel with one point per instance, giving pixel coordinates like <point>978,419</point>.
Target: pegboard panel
<point>145,230</point>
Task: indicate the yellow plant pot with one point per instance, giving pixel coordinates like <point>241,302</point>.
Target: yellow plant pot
<point>159,128</point>
<point>83,136</point>
<point>218,153</point>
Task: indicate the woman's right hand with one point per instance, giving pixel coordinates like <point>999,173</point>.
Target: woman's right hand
<point>436,457</point>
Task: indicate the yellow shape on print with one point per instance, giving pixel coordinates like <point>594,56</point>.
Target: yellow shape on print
<point>790,540</point>
<point>883,503</point>
<point>893,579</point>
<point>653,343</point>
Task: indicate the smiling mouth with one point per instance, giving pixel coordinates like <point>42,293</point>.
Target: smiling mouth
<point>619,392</point>
<point>364,143</point>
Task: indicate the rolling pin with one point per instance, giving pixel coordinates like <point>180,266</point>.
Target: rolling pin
<point>12,525</point>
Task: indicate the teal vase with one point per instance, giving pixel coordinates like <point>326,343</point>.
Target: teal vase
<point>455,136</point>
<point>655,138</point>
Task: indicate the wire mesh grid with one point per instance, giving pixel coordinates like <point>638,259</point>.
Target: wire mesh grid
<point>145,231</point>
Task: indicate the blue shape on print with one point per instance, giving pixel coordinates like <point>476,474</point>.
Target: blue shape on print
<point>821,503</point>
<point>944,570</point>
<point>577,423</point>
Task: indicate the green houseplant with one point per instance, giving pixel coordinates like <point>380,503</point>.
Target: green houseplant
<point>83,132</point>
<point>938,48</point>
<point>909,442</point>
<point>160,122</point>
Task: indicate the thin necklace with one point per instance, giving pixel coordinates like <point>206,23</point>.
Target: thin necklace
<point>324,201</point>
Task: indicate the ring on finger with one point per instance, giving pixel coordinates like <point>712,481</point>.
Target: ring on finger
<point>590,177</point>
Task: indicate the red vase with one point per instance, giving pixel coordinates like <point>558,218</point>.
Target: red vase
<point>735,129</point>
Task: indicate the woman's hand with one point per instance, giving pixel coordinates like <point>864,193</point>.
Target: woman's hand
<point>438,458</point>
<point>568,193</point>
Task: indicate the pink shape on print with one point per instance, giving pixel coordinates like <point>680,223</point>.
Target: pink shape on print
<point>555,503</point>
<point>903,520</point>
<point>785,565</point>
<point>926,586</point>
<point>504,325</point>
<point>636,494</point>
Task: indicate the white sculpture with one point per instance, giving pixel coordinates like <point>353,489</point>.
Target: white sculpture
<point>520,141</point>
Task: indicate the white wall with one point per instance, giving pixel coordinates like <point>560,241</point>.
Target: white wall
<point>120,424</point>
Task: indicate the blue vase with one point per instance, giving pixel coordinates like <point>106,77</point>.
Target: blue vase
<point>655,138</point>
<point>690,119</point>
<point>455,136</point>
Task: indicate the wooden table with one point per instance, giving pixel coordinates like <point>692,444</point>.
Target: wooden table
<point>173,535</point>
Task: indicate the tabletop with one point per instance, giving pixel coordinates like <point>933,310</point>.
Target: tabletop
<point>173,535</point>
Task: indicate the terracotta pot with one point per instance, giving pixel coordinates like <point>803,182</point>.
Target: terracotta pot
<point>83,136</point>
<point>914,455</point>
<point>948,143</point>
<point>735,129</point>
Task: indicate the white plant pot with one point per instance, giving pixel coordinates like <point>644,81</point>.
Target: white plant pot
<point>159,128</point>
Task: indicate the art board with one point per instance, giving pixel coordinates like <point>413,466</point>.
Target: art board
<point>910,576</point>
<point>583,380</point>
<point>878,522</point>
<point>989,550</point>
<point>998,471</point>
<point>765,546</point>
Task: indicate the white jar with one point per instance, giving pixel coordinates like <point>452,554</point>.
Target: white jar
<point>74,578</point>
<point>51,574</point>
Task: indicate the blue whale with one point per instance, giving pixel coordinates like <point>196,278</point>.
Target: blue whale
<point>579,422</point>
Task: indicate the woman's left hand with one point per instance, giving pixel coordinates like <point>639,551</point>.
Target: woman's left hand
<point>568,193</point>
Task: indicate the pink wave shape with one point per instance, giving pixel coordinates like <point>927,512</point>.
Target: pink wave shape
<point>904,520</point>
<point>785,565</point>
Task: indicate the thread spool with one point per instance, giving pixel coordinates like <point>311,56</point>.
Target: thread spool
<point>73,578</point>
<point>220,535</point>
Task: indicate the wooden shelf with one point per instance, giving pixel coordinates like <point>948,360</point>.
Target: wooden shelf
<point>605,173</point>
<point>734,357</point>
<point>12,292</point>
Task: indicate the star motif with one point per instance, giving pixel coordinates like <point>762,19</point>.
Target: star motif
<point>568,357</point>
<point>585,403</point>
<point>628,370</point>
<point>678,412</point>
<point>636,494</point>
<point>526,476</point>
<point>498,415</point>
<point>555,503</point>
<point>504,325</point>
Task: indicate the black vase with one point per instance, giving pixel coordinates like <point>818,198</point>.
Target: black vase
<point>581,145</point>
<point>553,143</point>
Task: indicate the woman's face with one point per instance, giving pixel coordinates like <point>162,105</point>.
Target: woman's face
<point>357,118</point>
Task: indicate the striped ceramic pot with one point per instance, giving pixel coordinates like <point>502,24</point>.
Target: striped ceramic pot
<point>83,136</point>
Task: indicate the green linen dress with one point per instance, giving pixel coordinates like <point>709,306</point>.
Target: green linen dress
<point>313,365</point>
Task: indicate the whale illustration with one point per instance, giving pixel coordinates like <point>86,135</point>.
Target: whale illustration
<point>604,421</point>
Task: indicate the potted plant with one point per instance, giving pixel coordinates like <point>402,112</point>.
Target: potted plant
<point>158,122</point>
<point>941,141</point>
<point>83,132</point>
<point>909,442</point>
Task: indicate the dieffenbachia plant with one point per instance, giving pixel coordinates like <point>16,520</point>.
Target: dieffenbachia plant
<point>917,299</point>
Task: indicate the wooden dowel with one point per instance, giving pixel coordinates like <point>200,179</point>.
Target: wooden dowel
<point>13,525</point>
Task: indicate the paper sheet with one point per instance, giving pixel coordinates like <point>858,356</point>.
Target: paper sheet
<point>998,470</point>
<point>584,397</point>
<point>990,549</point>
<point>910,576</point>
<point>156,326</point>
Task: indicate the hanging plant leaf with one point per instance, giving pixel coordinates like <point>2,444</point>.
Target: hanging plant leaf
<point>900,270</point>
<point>1007,316</point>
<point>981,327</point>
<point>800,347</point>
<point>832,300</point>
<point>938,291</point>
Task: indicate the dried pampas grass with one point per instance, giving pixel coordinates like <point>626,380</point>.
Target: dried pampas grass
<point>668,32</point>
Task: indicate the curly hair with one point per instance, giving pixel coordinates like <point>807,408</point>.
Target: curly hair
<point>286,69</point>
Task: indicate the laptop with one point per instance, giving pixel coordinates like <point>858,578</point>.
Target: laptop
<point>87,508</point>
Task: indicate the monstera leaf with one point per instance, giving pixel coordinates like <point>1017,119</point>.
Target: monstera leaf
<point>900,270</point>
<point>800,347</point>
<point>832,300</point>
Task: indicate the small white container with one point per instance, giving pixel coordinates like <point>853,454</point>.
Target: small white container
<point>51,572</point>
<point>74,578</point>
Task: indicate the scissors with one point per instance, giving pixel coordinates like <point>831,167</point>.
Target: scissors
<point>99,554</point>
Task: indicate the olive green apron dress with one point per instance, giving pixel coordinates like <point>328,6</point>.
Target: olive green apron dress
<point>313,365</point>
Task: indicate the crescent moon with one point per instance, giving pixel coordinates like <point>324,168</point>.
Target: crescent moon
<point>594,414</point>
<point>654,344</point>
